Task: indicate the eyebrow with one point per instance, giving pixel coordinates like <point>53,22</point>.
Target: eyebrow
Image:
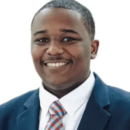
<point>61,30</point>
<point>40,32</point>
<point>68,31</point>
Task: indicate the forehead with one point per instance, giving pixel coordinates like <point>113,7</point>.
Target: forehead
<point>56,18</point>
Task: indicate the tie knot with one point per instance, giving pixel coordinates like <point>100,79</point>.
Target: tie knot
<point>57,109</point>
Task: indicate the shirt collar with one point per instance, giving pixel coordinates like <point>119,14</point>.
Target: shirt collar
<point>72,101</point>
<point>46,99</point>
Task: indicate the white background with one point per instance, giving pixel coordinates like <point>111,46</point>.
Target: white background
<point>17,73</point>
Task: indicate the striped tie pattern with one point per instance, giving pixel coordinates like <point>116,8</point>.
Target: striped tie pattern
<point>56,114</point>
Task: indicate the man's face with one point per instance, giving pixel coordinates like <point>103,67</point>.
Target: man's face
<point>61,48</point>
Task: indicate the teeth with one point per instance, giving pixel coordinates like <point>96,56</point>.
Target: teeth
<point>56,64</point>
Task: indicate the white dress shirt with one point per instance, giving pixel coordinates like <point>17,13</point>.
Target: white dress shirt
<point>74,103</point>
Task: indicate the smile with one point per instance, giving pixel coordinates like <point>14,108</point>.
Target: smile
<point>55,65</point>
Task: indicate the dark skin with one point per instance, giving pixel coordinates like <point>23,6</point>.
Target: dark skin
<point>59,36</point>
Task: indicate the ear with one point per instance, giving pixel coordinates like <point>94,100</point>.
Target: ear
<point>94,48</point>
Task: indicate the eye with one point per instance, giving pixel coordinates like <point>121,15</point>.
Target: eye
<point>41,40</point>
<point>68,39</point>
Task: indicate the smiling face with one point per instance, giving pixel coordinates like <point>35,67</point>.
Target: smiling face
<point>61,48</point>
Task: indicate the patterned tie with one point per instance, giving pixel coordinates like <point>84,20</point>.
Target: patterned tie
<point>56,114</point>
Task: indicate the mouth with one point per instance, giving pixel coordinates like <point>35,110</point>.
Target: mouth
<point>54,65</point>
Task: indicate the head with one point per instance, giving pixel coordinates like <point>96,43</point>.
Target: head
<point>62,43</point>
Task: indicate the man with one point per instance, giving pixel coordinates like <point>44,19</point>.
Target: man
<point>71,97</point>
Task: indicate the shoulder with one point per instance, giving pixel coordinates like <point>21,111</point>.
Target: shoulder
<point>119,100</point>
<point>116,94</point>
<point>16,102</point>
<point>11,109</point>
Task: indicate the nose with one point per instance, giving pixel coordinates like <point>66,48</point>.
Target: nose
<point>55,49</point>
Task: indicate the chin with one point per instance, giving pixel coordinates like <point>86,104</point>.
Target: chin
<point>56,85</point>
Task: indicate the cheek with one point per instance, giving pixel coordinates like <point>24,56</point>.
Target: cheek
<point>36,52</point>
<point>80,52</point>
<point>85,51</point>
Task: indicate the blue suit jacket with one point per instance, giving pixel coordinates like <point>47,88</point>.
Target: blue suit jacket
<point>108,109</point>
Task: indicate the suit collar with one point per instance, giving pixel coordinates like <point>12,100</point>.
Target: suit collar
<point>100,92</point>
<point>28,119</point>
<point>95,116</point>
<point>33,99</point>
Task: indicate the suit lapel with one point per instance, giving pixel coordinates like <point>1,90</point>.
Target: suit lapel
<point>29,118</point>
<point>95,116</point>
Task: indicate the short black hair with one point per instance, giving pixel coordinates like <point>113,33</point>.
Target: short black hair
<point>75,6</point>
